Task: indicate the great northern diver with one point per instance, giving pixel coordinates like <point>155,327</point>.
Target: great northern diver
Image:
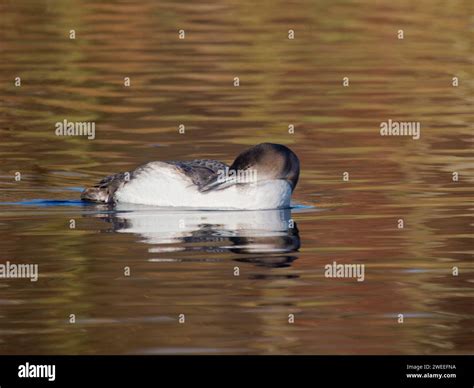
<point>261,177</point>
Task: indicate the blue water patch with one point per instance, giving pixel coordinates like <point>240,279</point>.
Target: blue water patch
<point>415,270</point>
<point>297,206</point>
<point>49,203</point>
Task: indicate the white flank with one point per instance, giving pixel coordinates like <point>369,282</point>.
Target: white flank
<point>161,184</point>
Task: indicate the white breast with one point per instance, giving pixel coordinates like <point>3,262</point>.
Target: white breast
<point>163,185</point>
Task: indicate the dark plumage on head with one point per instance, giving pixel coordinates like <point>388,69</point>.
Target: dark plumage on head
<point>271,161</point>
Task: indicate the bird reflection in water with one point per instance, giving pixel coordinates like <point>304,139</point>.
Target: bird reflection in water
<point>267,238</point>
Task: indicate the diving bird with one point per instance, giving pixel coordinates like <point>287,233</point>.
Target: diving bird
<point>261,177</point>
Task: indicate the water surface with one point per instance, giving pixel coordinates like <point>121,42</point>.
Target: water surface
<point>184,262</point>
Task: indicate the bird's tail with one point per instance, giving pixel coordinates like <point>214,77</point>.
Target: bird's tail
<point>96,194</point>
<point>104,191</point>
